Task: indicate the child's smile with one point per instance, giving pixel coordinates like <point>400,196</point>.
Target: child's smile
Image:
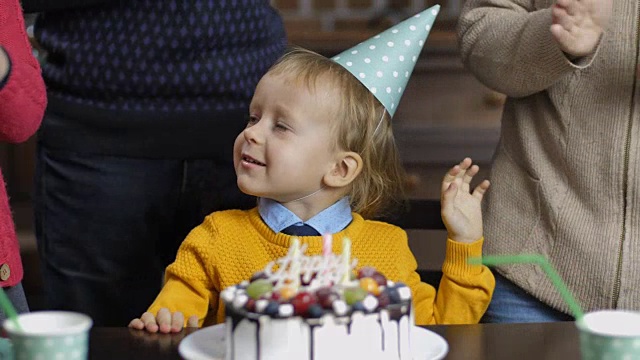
<point>249,162</point>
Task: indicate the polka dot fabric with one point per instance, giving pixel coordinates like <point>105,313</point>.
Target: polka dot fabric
<point>160,56</point>
<point>385,62</point>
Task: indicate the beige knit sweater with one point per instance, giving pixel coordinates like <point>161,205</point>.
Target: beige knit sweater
<point>566,173</point>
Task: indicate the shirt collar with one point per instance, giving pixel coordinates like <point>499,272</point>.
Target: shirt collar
<point>330,220</point>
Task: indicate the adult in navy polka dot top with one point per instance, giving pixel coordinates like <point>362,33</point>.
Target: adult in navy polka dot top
<point>145,100</point>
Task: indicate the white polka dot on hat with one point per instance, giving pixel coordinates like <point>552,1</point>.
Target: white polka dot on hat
<point>378,61</point>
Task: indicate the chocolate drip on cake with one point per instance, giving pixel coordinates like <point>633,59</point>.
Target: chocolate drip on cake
<point>395,314</point>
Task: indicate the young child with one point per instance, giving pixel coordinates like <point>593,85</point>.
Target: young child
<point>319,150</point>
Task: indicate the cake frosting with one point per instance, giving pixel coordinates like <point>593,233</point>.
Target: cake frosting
<point>318,308</point>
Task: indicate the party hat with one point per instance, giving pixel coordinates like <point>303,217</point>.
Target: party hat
<point>385,62</point>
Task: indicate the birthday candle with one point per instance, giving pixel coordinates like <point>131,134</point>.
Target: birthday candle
<point>346,260</point>
<point>295,244</point>
<point>327,239</point>
<point>295,263</point>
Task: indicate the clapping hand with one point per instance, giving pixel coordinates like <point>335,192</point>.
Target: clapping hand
<point>578,24</point>
<point>461,211</point>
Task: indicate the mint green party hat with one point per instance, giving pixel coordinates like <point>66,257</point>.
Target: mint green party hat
<point>385,62</point>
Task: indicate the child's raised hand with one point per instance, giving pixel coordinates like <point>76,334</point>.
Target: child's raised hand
<point>461,212</point>
<point>165,321</point>
<point>578,24</point>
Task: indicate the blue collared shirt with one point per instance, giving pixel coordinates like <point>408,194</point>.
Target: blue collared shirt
<point>330,220</point>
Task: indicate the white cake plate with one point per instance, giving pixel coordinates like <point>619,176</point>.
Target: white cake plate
<point>208,344</point>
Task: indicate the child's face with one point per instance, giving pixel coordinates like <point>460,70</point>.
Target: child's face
<point>286,148</point>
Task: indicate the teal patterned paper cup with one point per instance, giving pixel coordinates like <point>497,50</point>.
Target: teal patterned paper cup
<point>50,335</point>
<point>6,349</point>
<point>610,334</point>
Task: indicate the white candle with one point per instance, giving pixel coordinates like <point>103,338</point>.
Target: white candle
<point>346,260</point>
<point>295,263</point>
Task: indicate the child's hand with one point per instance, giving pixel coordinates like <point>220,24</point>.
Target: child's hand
<point>461,212</point>
<point>578,24</point>
<point>165,321</point>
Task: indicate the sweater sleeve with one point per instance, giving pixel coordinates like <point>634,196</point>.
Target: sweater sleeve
<point>190,281</point>
<point>509,47</point>
<point>464,293</point>
<point>23,96</point>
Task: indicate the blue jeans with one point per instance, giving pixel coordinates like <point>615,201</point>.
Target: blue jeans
<point>510,303</point>
<point>17,298</point>
<point>107,226</point>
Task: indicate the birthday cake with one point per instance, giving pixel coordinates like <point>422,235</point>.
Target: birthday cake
<point>317,308</point>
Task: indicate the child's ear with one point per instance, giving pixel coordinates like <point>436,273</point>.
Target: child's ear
<point>347,167</point>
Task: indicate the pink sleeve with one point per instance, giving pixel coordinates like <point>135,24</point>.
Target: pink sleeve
<point>22,104</point>
<point>23,96</point>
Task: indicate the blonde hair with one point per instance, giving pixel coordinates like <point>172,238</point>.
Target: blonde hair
<point>380,185</point>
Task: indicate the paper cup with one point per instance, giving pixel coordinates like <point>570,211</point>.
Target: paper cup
<point>6,349</point>
<point>50,335</point>
<point>610,334</point>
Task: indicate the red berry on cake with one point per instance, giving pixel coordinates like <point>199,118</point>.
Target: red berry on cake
<point>301,303</point>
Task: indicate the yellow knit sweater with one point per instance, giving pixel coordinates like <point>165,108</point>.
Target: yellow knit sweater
<point>229,246</point>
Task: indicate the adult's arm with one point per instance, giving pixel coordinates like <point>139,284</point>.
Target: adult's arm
<point>509,47</point>
<point>51,5</point>
<point>22,90</point>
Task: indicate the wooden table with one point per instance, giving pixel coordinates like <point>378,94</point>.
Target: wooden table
<point>466,342</point>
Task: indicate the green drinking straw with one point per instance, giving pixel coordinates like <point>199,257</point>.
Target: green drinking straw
<point>540,260</point>
<point>8,309</point>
